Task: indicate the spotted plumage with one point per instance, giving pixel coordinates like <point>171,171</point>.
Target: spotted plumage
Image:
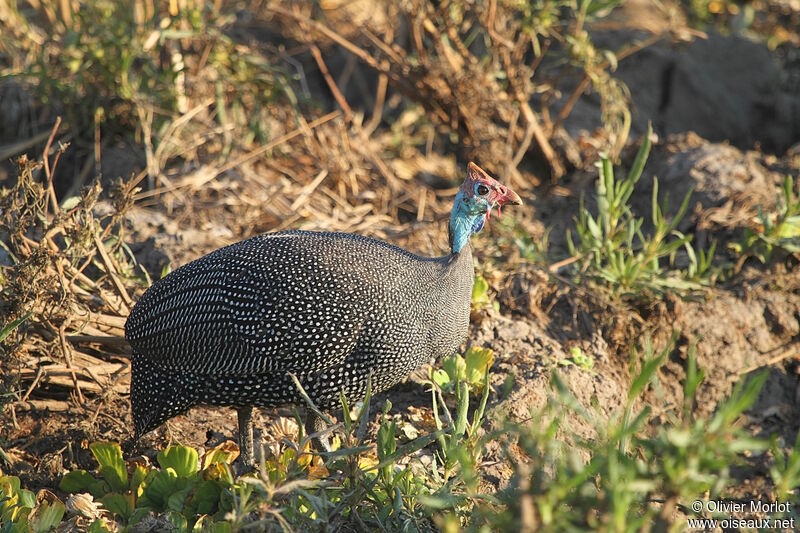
<point>331,308</point>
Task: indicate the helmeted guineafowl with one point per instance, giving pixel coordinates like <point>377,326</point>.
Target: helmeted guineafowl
<point>230,327</point>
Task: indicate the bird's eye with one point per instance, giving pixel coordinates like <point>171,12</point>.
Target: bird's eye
<point>482,189</point>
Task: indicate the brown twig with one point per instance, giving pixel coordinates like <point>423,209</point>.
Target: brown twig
<point>337,94</point>
<point>248,156</point>
<point>380,100</point>
<point>112,273</point>
<point>47,171</point>
<point>791,352</point>
<point>490,26</point>
<point>586,81</point>
<point>534,129</point>
<point>68,359</point>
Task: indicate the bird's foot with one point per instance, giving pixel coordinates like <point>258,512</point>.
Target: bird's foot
<point>319,431</point>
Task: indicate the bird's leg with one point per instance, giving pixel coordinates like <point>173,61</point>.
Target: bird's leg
<point>315,424</point>
<point>246,434</point>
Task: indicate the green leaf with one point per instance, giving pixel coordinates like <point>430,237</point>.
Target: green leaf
<point>480,292</point>
<point>159,486</point>
<point>648,371</point>
<point>14,324</point>
<point>27,498</point>
<point>99,488</point>
<point>112,467</point>
<point>205,498</point>
<point>177,500</point>
<point>221,527</point>
<point>119,504</point>
<point>137,475</point>
<point>99,526</point>
<point>177,520</point>
<point>455,367</point>
<point>641,156</point>
<point>476,362</point>
<point>441,378</point>
<point>76,481</point>
<point>48,512</point>
<point>182,459</point>
<point>9,485</point>
<point>387,441</point>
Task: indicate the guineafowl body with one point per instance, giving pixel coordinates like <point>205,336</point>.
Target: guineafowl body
<point>330,308</point>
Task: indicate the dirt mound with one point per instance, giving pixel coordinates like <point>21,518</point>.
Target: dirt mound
<point>699,86</point>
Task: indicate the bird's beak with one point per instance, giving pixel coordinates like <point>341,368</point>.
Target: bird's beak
<point>507,196</point>
<point>510,197</point>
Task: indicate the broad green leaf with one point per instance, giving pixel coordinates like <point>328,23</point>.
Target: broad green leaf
<point>9,485</point>
<point>177,520</point>
<point>112,467</point>
<point>182,459</point>
<point>27,498</point>
<point>177,500</point>
<point>221,527</point>
<point>99,488</point>
<point>205,498</point>
<point>48,512</point>
<point>159,486</point>
<point>76,481</point>
<point>455,367</point>
<point>441,378</point>
<point>476,361</point>
<point>119,504</point>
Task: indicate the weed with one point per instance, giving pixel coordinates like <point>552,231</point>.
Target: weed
<point>625,477</point>
<point>776,231</point>
<point>22,511</point>
<point>614,250</point>
<point>146,68</point>
<point>579,359</point>
<point>785,471</point>
<point>480,295</point>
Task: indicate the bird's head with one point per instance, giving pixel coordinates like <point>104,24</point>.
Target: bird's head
<point>477,197</point>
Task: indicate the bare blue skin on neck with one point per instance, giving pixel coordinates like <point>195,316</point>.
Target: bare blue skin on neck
<point>466,218</point>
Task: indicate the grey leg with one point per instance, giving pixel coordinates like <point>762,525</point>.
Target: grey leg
<point>315,424</point>
<point>246,434</point>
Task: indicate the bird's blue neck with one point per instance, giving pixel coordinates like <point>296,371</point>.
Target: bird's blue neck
<point>465,219</point>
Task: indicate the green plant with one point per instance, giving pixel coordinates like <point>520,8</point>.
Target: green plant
<point>145,69</point>
<point>785,472</point>
<point>374,490</point>
<point>628,475</point>
<point>6,330</point>
<point>22,511</point>
<point>579,359</point>
<point>613,248</point>
<point>470,368</point>
<point>779,230</point>
<point>180,490</point>
<point>480,294</point>
<point>565,22</point>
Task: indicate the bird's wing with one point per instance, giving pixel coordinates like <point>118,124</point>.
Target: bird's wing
<point>248,310</point>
